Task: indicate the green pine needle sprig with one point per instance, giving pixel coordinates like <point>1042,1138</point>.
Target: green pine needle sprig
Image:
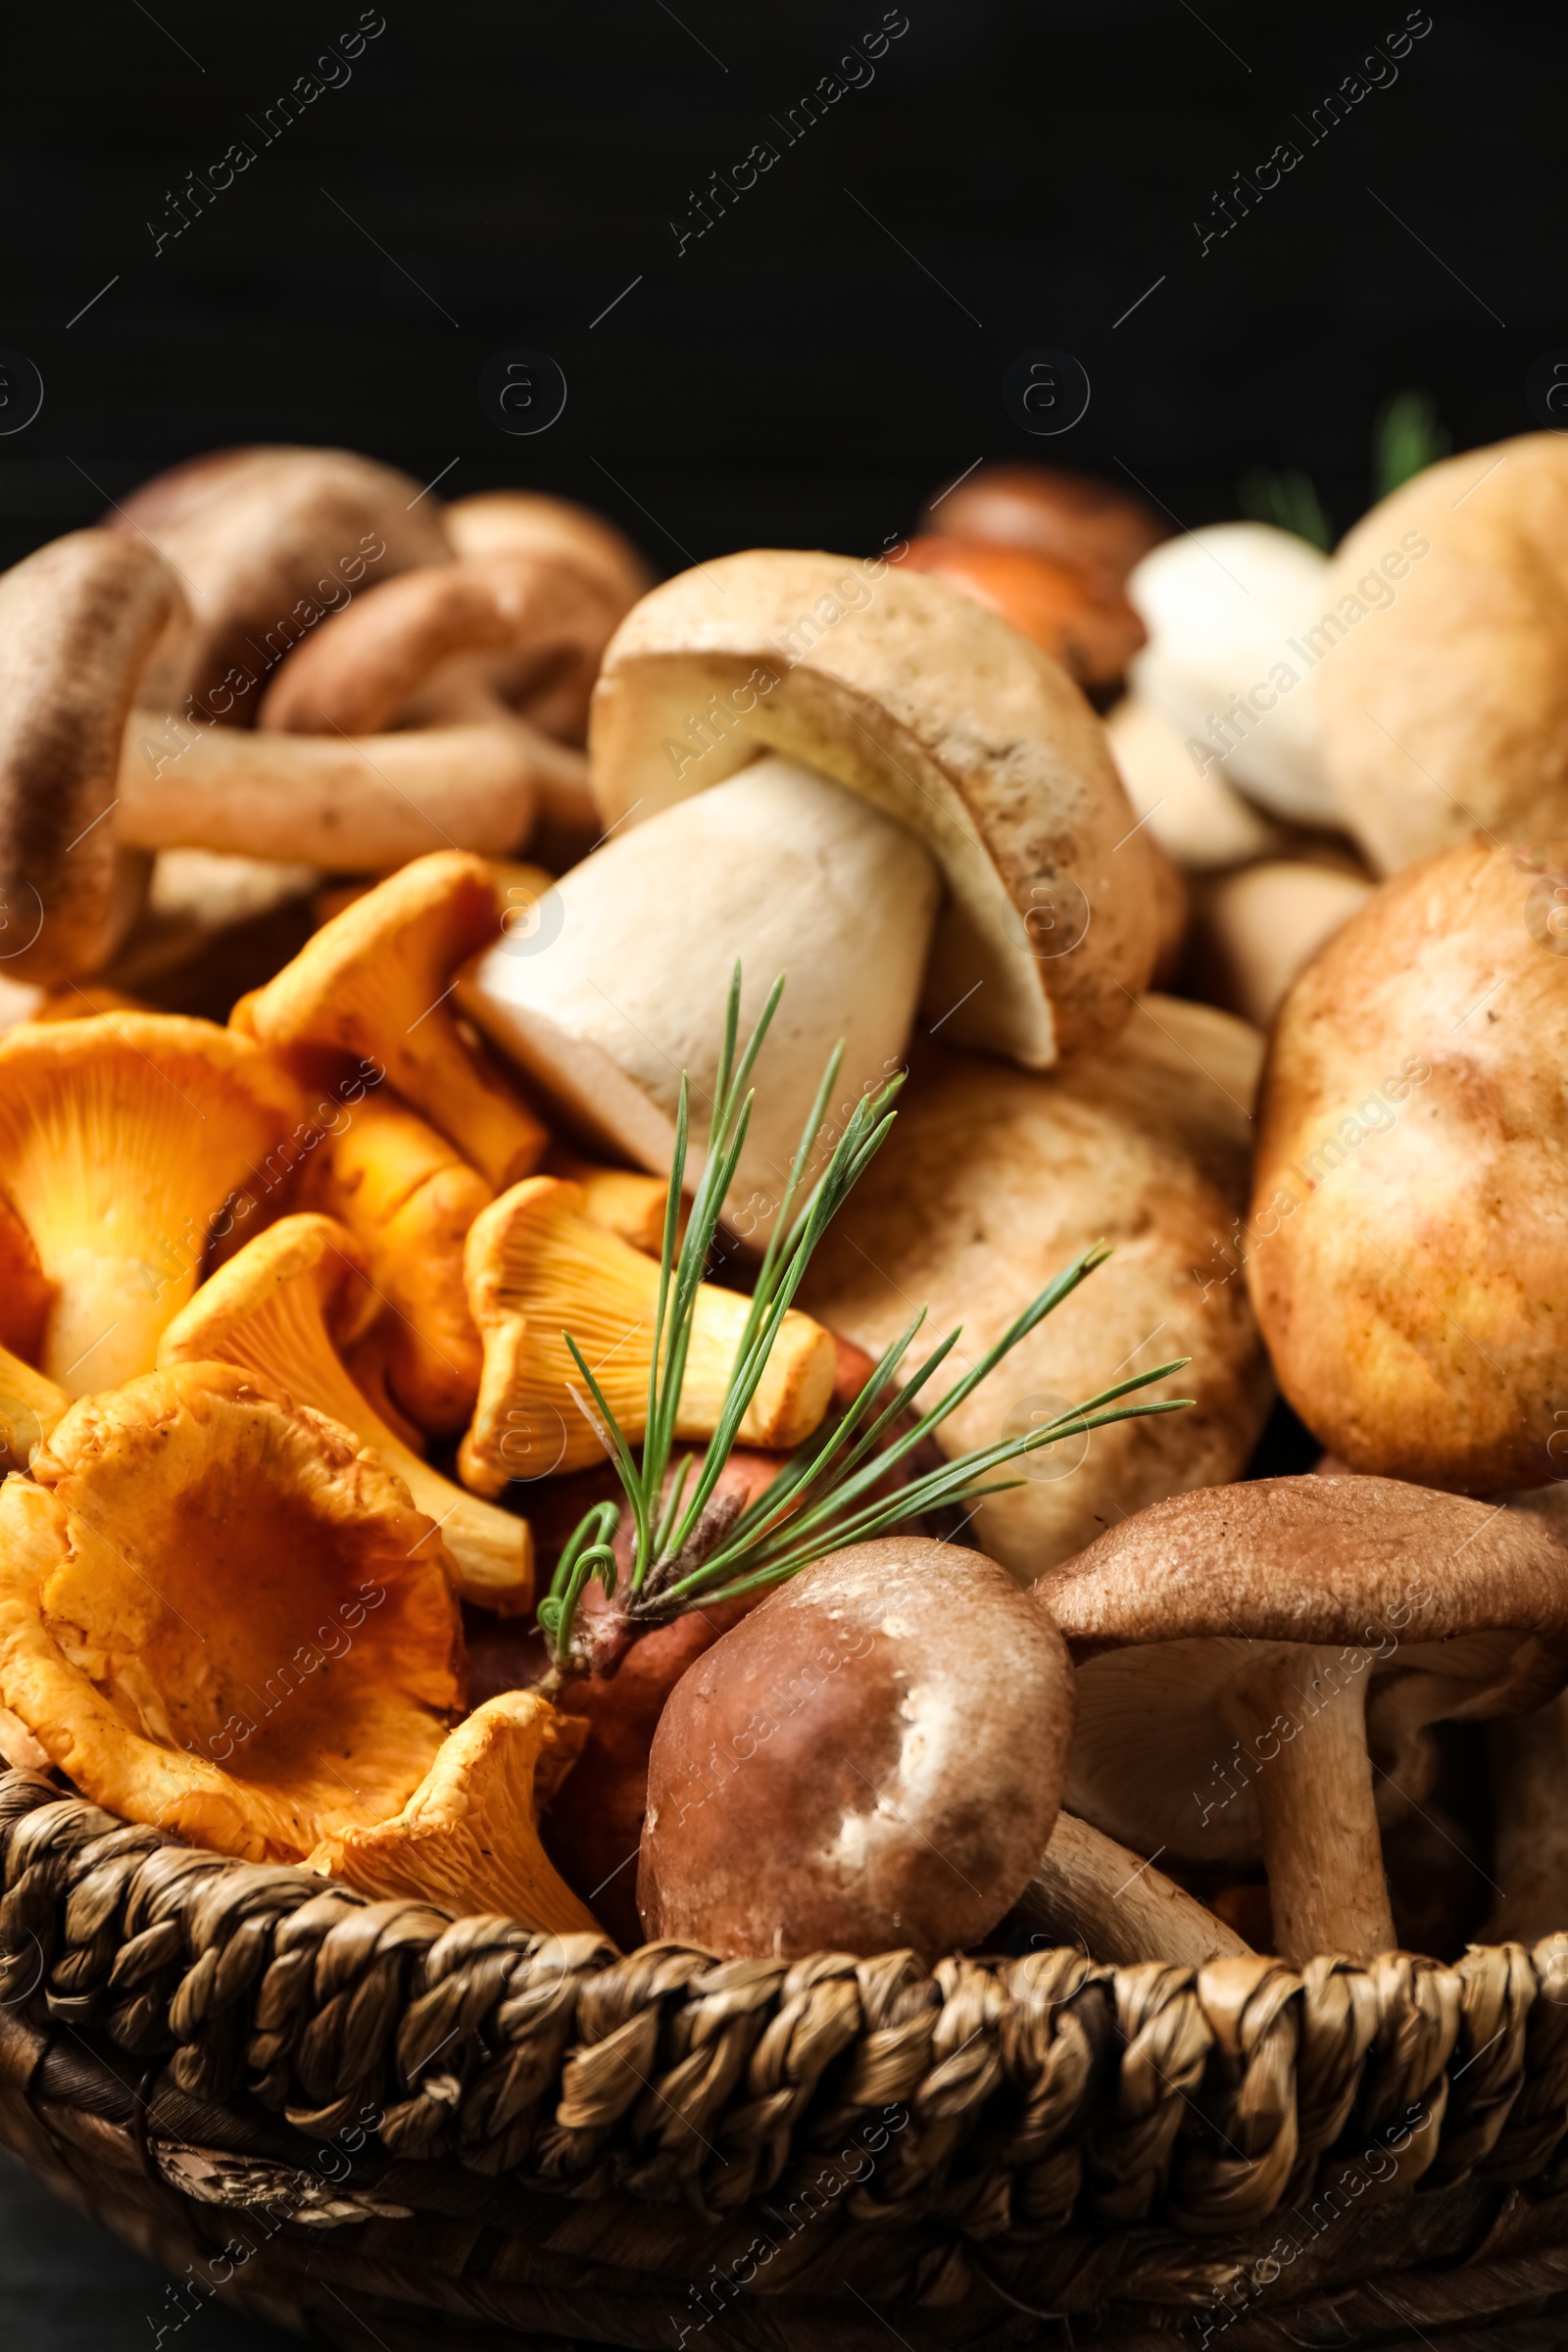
<point>691,1546</point>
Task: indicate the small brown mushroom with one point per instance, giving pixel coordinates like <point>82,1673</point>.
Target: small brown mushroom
<point>529,522</point>
<point>1066,517</point>
<point>1257,1665</point>
<point>870,1760</point>
<point>1080,619</point>
<point>78,622</point>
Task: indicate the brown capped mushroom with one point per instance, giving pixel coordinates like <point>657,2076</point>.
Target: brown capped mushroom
<point>920,701</point>
<point>1408,1251</point>
<point>78,622</point>
<point>529,522</point>
<point>991,1182</point>
<point>1069,517</point>
<point>376,982</point>
<point>1257,1665</point>
<point>1080,619</point>
<point>1441,690</point>
<point>870,1760</point>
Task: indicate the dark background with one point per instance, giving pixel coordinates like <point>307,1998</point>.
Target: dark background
<point>1022,172</point>
<point>796,375</point>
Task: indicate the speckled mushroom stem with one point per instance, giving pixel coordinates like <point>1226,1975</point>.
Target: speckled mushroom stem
<point>1304,1716</point>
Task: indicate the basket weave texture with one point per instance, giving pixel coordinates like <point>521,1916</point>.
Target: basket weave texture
<point>376,2125</point>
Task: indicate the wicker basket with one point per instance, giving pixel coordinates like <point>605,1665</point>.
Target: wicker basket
<point>380,2126</point>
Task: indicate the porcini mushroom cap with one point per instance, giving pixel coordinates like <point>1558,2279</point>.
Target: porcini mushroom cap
<point>914,696</point>
<point>1080,619</point>
<point>1453,1608</point>
<point>122,1138</point>
<point>78,620</point>
<point>282,1307</point>
<point>266,541</point>
<point>1445,703</point>
<point>1068,516</point>
<point>991,1180</point>
<point>265,1648</point>
<point>375,981</point>
<point>1409,1258</point>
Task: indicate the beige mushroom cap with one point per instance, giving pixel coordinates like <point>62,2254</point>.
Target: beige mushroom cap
<point>994,1180</point>
<point>934,710</point>
<point>1445,706</point>
<point>1409,1253</point>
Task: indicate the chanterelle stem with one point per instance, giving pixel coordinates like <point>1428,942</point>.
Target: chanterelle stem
<point>1304,1716</point>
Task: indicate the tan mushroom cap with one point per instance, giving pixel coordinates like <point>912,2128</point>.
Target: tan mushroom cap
<point>78,622</point>
<point>280,1307</point>
<point>1409,1250</point>
<point>934,710</point>
<point>991,1180</point>
<point>1254,930</point>
<point>530,522</point>
<point>1251,1656</point>
<point>1444,703</point>
<point>266,541</point>
<point>124,1139</point>
<point>376,981</point>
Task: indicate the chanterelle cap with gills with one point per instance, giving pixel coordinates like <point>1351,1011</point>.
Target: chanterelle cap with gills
<point>1257,1665</point>
<point>78,623</point>
<point>933,708</point>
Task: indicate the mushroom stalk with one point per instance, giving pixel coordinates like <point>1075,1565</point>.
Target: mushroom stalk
<point>1315,1803</point>
<point>1530,1781</point>
<point>1120,1906</point>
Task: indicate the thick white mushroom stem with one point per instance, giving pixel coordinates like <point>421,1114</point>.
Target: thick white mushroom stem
<point>1118,1905</point>
<point>1303,1714</point>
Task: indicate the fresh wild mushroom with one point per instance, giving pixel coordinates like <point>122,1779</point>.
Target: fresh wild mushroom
<point>1068,516</point>
<point>467,1838</point>
<point>124,1139</point>
<point>530,522</point>
<point>537,1270</point>
<point>615,990</point>
<point>1445,708</point>
<point>1254,931</point>
<point>994,1178</point>
<point>1081,620</point>
<point>1118,1905</point>
<point>219,1618</point>
<point>409,1199</point>
<point>1227,610</point>
<point>1258,1666</point>
<point>78,622</point>
<point>266,543</point>
<point>30,1403</point>
<point>279,1309</point>
<point>1409,1252</point>
<point>870,1760</point>
<point>1189,809</point>
<point>622,1200</point>
<point>376,981</point>
<point>922,702</point>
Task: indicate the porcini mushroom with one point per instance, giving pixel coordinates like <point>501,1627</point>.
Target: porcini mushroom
<point>1231,612</point>
<point>1188,806</point>
<point>1258,1664</point>
<point>122,1138</point>
<point>376,980</point>
<point>615,989</point>
<point>870,1760</point>
<point>1409,1234</point>
<point>529,522</point>
<point>467,1840</point>
<point>992,1179</point>
<point>536,1270</point>
<point>1080,619</point>
<point>271,1310</point>
<point>78,622</point>
<point>409,1199</point>
<point>1254,930</point>
<point>1444,709</point>
<point>1070,517</point>
<point>928,705</point>
<point>217,1617</point>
